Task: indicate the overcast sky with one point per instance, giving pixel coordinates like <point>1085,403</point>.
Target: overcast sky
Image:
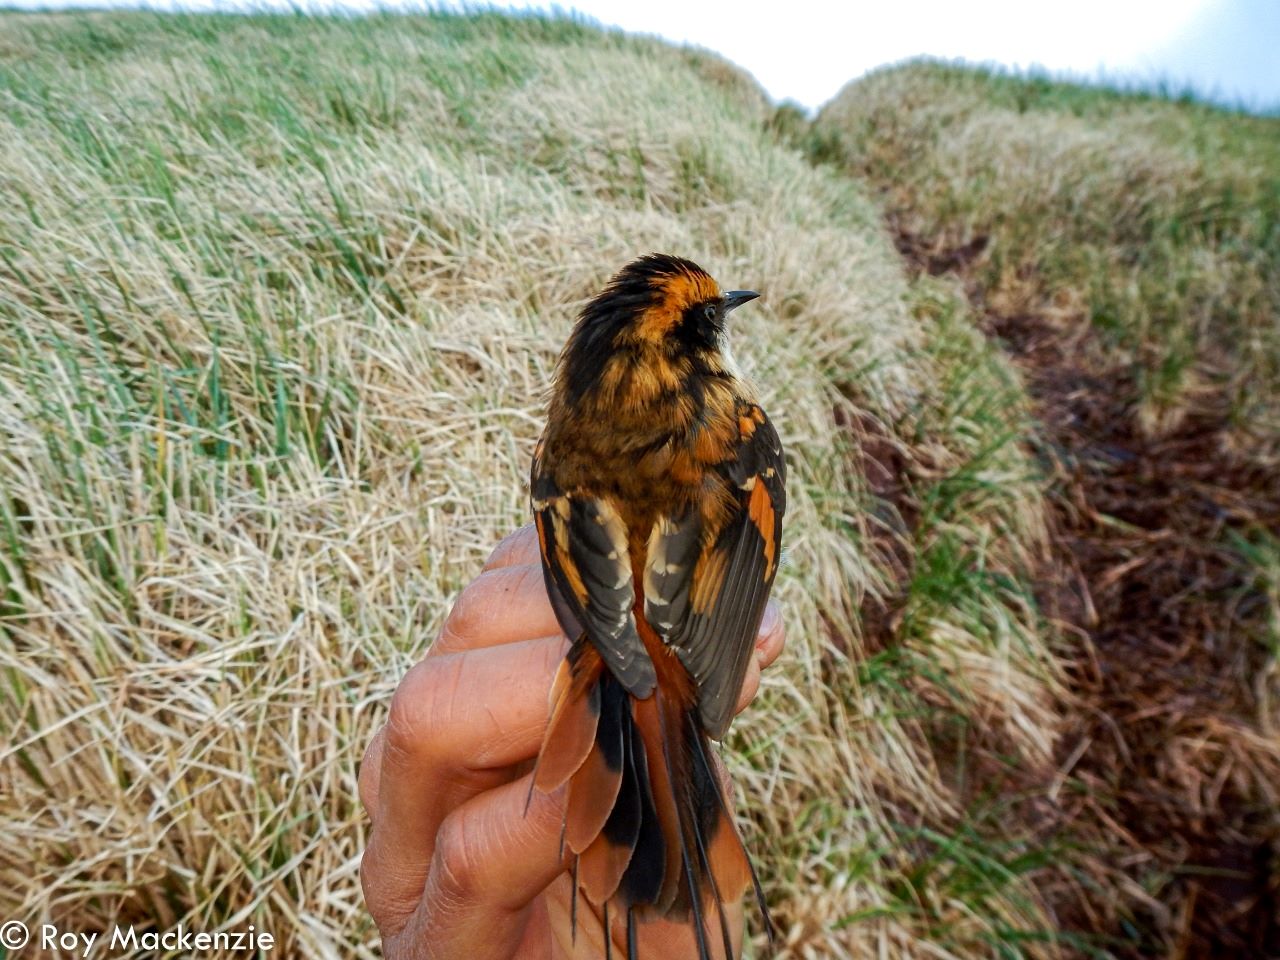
<point>806,50</point>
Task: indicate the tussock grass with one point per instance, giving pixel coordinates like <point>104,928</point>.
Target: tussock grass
<point>1156,221</point>
<point>279,297</point>
<point>1123,250</point>
<point>956,647</point>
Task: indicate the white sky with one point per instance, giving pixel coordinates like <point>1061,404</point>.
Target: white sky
<point>806,50</point>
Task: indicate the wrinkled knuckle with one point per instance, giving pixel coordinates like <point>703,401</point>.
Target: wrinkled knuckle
<point>390,902</point>
<point>470,612</point>
<point>405,730</point>
<point>372,887</point>
<point>456,873</point>
<point>367,787</point>
<point>410,718</point>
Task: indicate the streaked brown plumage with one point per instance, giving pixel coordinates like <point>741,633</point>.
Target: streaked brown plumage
<point>658,494</point>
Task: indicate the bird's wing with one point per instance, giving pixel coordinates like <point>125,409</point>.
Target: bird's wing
<point>708,573</point>
<point>588,574</point>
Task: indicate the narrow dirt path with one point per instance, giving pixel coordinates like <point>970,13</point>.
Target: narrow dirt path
<point>1172,767</point>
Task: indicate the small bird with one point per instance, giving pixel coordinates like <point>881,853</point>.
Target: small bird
<point>658,489</point>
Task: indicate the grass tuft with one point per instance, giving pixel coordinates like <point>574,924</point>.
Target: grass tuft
<point>279,299</point>
<point>1155,222</point>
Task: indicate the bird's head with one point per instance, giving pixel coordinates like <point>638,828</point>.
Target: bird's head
<point>656,305</point>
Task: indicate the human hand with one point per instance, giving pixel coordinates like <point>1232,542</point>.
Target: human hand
<point>456,866</point>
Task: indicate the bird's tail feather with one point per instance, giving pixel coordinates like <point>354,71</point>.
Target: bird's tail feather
<point>646,817</point>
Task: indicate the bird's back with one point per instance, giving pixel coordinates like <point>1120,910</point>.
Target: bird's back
<point>658,494</point>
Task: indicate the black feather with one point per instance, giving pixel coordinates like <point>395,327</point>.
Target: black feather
<point>623,826</point>
<point>573,906</point>
<point>695,905</point>
<point>707,821</point>
<point>642,882</point>
<point>769,929</point>
<point>633,949</point>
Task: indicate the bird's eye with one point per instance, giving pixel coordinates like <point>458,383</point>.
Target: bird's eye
<point>709,311</point>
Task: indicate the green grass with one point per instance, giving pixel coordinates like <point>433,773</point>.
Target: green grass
<point>1156,221</point>
<point>1124,247</point>
<point>279,300</point>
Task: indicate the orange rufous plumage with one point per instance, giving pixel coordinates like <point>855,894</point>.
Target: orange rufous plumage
<point>658,491</point>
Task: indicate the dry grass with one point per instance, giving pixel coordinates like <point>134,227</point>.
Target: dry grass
<point>1156,222</point>
<point>279,297</point>
<point>1124,252</point>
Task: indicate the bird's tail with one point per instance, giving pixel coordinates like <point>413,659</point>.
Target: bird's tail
<point>646,819</point>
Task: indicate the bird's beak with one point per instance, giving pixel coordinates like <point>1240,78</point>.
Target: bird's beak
<point>736,298</point>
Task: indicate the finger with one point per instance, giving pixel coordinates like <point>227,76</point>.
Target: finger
<point>503,605</point>
<point>464,737</point>
<point>448,738</point>
<point>769,643</point>
<point>494,857</point>
<point>750,686</point>
<point>772,636</point>
<point>516,548</point>
<point>370,772</point>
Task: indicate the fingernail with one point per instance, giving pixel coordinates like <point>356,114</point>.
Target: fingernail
<point>772,616</point>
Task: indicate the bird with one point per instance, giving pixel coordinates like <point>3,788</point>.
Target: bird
<point>658,488</point>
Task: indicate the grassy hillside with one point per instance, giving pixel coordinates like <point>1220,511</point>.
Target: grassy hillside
<point>1124,252</point>
<point>1157,221</point>
<point>279,297</point>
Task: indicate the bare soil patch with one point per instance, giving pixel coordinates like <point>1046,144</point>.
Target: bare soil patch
<point>1168,773</point>
<point>884,464</point>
